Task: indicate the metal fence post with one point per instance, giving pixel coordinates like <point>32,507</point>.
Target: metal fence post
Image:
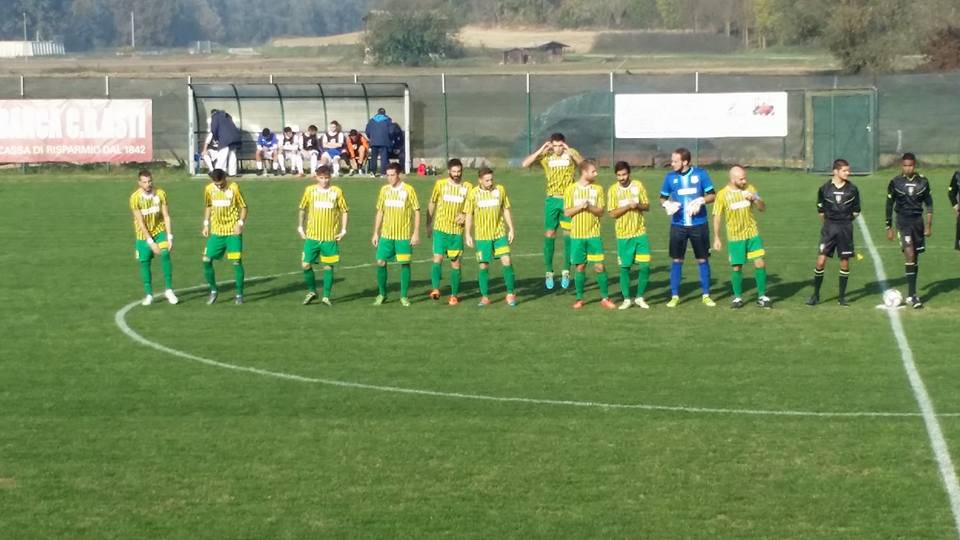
<point>696,142</point>
<point>529,119</point>
<point>23,166</point>
<point>613,122</point>
<point>446,133</point>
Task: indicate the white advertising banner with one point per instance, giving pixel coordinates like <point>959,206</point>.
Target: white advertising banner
<point>701,116</point>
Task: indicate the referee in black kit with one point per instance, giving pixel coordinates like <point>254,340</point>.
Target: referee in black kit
<point>908,194</point>
<point>838,203</point>
<point>955,203</point>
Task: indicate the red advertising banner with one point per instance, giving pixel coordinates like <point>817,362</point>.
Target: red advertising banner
<point>76,130</point>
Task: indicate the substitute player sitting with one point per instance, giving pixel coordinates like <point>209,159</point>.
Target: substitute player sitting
<point>331,146</point>
<point>445,219</point>
<point>154,230</point>
<point>583,203</point>
<point>310,148</point>
<point>224,215</point>
<point>736,202</point>
<point>627,201</point>
<point>268,147</point>
<point>358,149</point>
<point>907,195</point>
<point>487,211</point>
<point>325,210</point>
<point>838,204</point>
<point>290,149</point>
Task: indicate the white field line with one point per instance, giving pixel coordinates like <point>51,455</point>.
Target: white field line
<point>120,318</point>
<point>940,451</point>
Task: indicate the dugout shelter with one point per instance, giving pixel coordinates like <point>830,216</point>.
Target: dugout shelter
<point>256,106</point>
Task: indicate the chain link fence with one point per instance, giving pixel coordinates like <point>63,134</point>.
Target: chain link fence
<point>498,119</point>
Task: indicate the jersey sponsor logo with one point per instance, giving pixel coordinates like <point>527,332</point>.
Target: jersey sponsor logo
<point>740,204</point>
<point>559,162</point>
<point>488,203</point>
<point>323,204</point>
<point>150,210</point>
<point>626,202</point>
<point>910,190</point>
<point>453,198</point>
<point>395,203</point>
<point>221,203</point>
<point>838,196</point>
<point>683,192</point>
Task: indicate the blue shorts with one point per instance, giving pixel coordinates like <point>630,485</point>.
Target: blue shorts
<point>332,152</point>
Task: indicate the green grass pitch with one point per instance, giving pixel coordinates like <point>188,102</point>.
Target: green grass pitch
<point>103,437</point>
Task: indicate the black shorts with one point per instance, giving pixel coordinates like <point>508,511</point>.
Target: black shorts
<point>911,235</point>
<point>699,237</point>
<point>837,236</point>
<point>956,244</point>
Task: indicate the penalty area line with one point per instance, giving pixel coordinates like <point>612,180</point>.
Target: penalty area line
<point>938,443</point>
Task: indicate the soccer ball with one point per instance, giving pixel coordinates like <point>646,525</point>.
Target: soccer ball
<point>892,298</point>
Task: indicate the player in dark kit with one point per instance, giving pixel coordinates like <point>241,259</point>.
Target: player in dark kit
<point>908,194</point>
<point>955,203</point>
<point>838,203</point>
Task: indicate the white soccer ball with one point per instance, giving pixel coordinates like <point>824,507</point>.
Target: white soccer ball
<point>892,298</point>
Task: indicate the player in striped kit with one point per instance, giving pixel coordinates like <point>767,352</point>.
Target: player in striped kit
<point>627,201</point>
<point>396,231</point>
<point>154,230</point>
<point>325,210</point>
<point>559,163</point>
<point>224,215</point>
<point>583,203</point>
<point>489,228</point>
<point>445,219</point>
<point>736,202</point>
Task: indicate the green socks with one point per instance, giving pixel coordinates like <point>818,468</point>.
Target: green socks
<point>643,279</point>
<point>435,274</point>
<point>310,279</point>
<point>146,277</point>
<point>549,247</point>
<point>483,279</point>
<point>238,275</point>
<point>603,281</point>
<point>327,282</point>
<point>455,282</point>
<point>625,283</point>
<point>566,252</point>
<point>508,278</point>
<point>404,279</point>
<point>382,280</point>
<point>736,279</point>
<point>579,279</point>
<point>209,275</point>
<point>167,269</point>
<point>761,281</point>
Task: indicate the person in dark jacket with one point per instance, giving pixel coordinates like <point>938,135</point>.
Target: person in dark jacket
<point>227,135</point>
<point>378,133</point>
<point>398,149</point>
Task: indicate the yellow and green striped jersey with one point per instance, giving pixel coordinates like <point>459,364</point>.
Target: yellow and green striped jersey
<point>324,208</point>
<point>149,205</point>
<point>398,205</point>
<point>224,205</point>
<point>560,171</point>
<point>584,224</point>
<point>738,212</point>
<point>448,199</point>
<point>487,206</point>
<point>630,224</point>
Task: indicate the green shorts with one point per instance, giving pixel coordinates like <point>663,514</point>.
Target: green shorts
<point>399,250</point>
<point>448,245</point>
<point>143,252</point>
<point>742,251</point>
<point>488,249</point>
<point>218,245</point>
<point>553,216</point>
<point>325,251</point>
<point>632,251</point>
<point>584,250</point>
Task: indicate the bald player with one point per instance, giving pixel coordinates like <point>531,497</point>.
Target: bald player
<point>735,203</point>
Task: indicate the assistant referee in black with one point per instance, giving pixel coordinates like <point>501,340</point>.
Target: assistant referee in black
<point>908,194</point>
<point>838,204</point>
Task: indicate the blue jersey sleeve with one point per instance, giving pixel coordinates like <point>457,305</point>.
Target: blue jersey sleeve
<point>705,182</point>
<point>666,190</point>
